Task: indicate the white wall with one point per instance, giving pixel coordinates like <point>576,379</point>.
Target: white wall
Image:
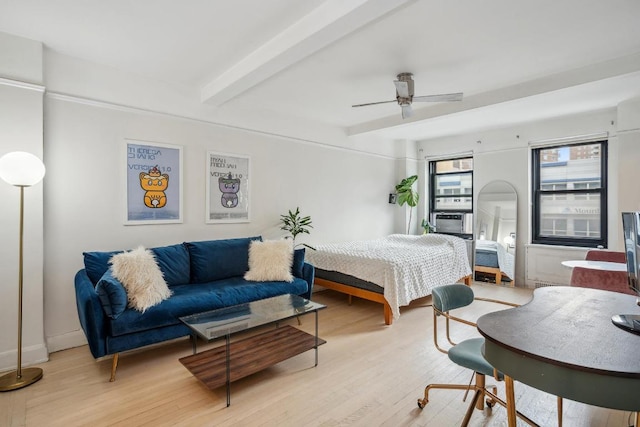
<point>504,154</point>
<point>21,130</point>
<point>345,192</point>
<point>88,113</point>
<point>628,168</point>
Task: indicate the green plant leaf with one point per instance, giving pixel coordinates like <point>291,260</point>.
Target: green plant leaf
<point>294,224</point>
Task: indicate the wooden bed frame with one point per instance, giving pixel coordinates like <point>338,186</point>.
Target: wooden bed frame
<point>492,270</point>
<point>368,295</point>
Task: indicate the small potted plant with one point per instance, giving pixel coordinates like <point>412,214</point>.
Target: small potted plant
<point>296,224</point>
<point>427,227</point>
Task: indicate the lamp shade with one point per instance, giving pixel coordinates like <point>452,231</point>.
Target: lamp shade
<point>21,169</point>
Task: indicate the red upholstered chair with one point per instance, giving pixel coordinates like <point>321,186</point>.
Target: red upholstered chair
<point>615,281</point>
<point>609,256</point>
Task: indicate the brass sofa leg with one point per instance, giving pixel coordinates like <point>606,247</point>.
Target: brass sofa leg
<point>114,366</point>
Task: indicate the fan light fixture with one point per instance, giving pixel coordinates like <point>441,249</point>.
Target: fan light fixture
<point>404,95</point>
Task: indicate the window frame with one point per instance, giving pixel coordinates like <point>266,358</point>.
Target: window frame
<point>538,194</point>
<point>432,186</point>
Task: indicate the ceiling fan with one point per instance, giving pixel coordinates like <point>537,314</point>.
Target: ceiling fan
<point>404,95</point>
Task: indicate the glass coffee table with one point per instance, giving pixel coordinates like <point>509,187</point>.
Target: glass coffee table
<point>224,364</point>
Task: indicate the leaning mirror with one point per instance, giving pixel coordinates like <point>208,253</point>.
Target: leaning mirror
<point>496,224</point>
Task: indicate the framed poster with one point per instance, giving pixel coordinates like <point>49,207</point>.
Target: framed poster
<point>227,188</point>
<point>154,183</point>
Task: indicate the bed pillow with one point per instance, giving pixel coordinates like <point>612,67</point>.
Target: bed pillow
<point>141,277</point>
<point>112,295</point>
<point>270,260</point>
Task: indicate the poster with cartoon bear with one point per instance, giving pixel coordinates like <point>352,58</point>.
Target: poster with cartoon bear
<point>154,180</point>
<point>227,188</point>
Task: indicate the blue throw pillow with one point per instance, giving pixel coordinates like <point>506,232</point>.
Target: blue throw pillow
<point>219,259</point>
<point>298,262</point>
<point>112,295</point>
<point>97,263</point>
<point>174,263</point>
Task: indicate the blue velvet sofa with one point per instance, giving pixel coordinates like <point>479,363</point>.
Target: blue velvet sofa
<point>202,276</point>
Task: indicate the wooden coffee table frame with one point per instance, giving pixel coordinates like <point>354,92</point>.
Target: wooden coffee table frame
<point>232,361</point>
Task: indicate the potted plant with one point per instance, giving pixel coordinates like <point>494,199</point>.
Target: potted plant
<point>296,224</point>
<point>407,195</point>
<point>427,227</point>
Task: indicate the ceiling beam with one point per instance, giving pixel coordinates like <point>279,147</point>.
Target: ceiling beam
<point>327,23</point>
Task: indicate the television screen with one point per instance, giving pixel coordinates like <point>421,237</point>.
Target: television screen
<point>631,231</point>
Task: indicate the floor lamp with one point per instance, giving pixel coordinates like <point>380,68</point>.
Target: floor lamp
<point>21,170</point>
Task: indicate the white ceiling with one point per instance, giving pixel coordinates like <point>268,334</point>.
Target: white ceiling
<point>514,60</point>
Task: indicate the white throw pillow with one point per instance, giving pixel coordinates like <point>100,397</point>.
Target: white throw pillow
<point>270,261</point>
<point>141,277</point>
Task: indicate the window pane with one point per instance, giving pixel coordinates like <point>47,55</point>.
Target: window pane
<point>453,184</point>
<point>457,165</point>
<point>573,218</point>
<point>554,227</point>
<point>570,164</point>
<point>451,203</point>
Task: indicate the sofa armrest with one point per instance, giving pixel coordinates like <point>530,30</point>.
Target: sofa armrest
<point>308,274</point>
<point>92,317</point>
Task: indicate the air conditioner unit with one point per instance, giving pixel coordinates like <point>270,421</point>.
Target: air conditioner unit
<point>449,223</point>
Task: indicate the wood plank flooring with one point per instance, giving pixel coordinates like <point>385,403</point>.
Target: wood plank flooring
<point>368,374</point>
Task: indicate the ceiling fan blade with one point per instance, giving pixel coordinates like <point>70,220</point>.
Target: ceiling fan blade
<point>445,97</point>
<point>402,88</point>
<point>407,111</point>
<point>373,103</point>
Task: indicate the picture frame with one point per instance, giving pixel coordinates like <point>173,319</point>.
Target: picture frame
<point>227,188</point>
<point>154,176</point>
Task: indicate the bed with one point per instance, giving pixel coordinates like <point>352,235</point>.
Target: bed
<point>492,258</point>
<point>392,270</point>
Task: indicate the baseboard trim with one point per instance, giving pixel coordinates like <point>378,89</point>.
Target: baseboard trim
<point>69,340</point>
<point>30,356</point>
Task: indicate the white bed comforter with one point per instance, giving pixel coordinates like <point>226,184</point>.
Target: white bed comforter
<point>406,266</point>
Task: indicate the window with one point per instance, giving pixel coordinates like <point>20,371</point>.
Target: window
<point>451,185</point>
<point>451,192</point>
<point>570,194</point>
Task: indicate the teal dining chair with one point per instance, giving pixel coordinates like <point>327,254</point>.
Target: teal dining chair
<point>468,353</point>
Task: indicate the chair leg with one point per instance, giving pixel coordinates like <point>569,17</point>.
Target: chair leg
<point>423,402</point>
<point>478,387</point>
<point>480,384</point>
<point>559,411</point>
<point>477,400</point>
<point>114,366</point>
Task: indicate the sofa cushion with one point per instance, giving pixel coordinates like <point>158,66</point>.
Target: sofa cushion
<point>112,295</point>
<point>298,262</point>
<point>270,260</point>
<point>190,299</point>
<point>140,275</point>
<point>174,263</point>
<point>219,259</point>
<point>97,263</point>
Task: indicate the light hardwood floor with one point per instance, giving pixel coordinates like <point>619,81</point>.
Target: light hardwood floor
<point>368,374</point>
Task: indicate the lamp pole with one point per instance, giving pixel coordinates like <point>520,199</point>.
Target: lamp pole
<point>20,170</point>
